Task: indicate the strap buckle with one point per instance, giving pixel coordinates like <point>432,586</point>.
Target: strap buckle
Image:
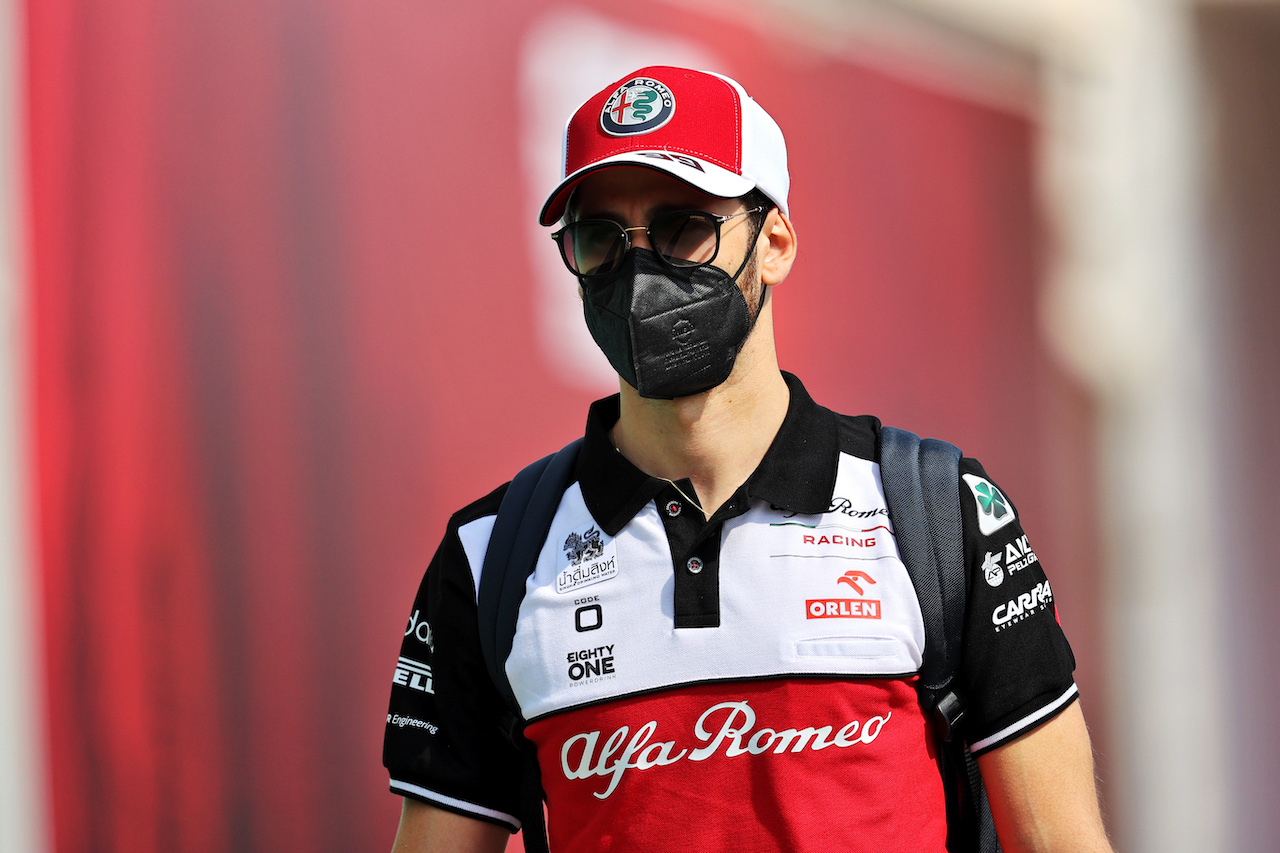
<point>949,713</point>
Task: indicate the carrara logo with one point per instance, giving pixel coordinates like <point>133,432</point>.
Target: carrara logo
<point>1026,605</point>
<point>582,756</point>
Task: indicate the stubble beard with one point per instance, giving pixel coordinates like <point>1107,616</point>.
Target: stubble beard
<point>753,288</point>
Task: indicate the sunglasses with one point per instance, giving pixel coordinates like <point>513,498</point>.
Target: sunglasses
<point>689,238</point>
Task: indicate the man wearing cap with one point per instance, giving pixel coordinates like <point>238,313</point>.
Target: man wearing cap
<point>718,647</point>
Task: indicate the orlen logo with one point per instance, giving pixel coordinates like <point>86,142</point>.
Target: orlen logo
<point>845,608</point>
<point>1026,605</point>
<point>852,577</point>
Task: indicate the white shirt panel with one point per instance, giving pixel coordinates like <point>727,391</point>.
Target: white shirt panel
<point>475,540</point>
<point>803,595</point>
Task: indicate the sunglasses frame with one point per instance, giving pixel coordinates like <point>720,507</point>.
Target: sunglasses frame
<point>716,219</point>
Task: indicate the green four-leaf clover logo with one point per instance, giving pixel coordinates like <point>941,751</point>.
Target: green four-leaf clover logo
<point>990,499</point>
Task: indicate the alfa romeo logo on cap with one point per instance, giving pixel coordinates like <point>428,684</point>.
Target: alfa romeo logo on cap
<point>638,106</point>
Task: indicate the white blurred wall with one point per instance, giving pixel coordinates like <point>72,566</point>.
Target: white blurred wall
<point>1129,309</point>
<point>1239,51</point>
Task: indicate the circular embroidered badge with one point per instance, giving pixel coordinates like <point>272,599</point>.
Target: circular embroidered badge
<point>638,106</point>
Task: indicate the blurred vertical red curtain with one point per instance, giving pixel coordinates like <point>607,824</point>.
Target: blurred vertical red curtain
<point>283,326</point>
<point>208,659</point>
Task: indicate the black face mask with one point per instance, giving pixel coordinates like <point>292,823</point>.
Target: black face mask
<point>668,332</point>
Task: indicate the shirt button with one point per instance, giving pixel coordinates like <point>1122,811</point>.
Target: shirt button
<point>673,508</point>
<point>694,565</point>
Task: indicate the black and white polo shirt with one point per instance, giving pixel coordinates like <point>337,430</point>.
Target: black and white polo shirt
<point>741,683</point>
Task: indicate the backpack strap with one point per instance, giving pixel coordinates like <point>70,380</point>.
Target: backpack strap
<point>524,518</point>
<point>921,484</point>
<point>921,481</point>
<point>519,531</point>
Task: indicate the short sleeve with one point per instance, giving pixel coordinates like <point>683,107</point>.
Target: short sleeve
<point>1017,667</point>
<point>444,742</point>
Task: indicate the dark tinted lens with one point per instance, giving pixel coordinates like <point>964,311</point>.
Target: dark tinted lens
<point>685,239</point>
<point>593,246</point>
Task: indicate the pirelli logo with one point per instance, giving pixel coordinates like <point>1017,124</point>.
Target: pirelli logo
<point>414,675</point>
<point>842,608</point>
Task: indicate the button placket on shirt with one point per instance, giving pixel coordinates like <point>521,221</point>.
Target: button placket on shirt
<point>695,560</point>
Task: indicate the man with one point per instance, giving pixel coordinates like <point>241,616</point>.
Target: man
<point>718,646</point>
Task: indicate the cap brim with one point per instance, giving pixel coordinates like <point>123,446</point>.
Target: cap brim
<point>707,177</point>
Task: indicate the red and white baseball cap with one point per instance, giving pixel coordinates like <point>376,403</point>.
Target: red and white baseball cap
<point>700,127</point>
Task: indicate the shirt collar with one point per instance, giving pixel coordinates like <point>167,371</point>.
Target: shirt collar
<point>797,473</point>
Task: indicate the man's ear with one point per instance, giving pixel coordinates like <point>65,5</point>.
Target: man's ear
<point>780,248</point>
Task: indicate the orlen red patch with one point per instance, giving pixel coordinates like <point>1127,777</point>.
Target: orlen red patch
<point>842,608</point>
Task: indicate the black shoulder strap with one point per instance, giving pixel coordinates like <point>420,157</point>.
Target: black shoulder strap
<point>524,517</point>
<point>519,531</point>
<point>921,481</point>
<point>921,484</point>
